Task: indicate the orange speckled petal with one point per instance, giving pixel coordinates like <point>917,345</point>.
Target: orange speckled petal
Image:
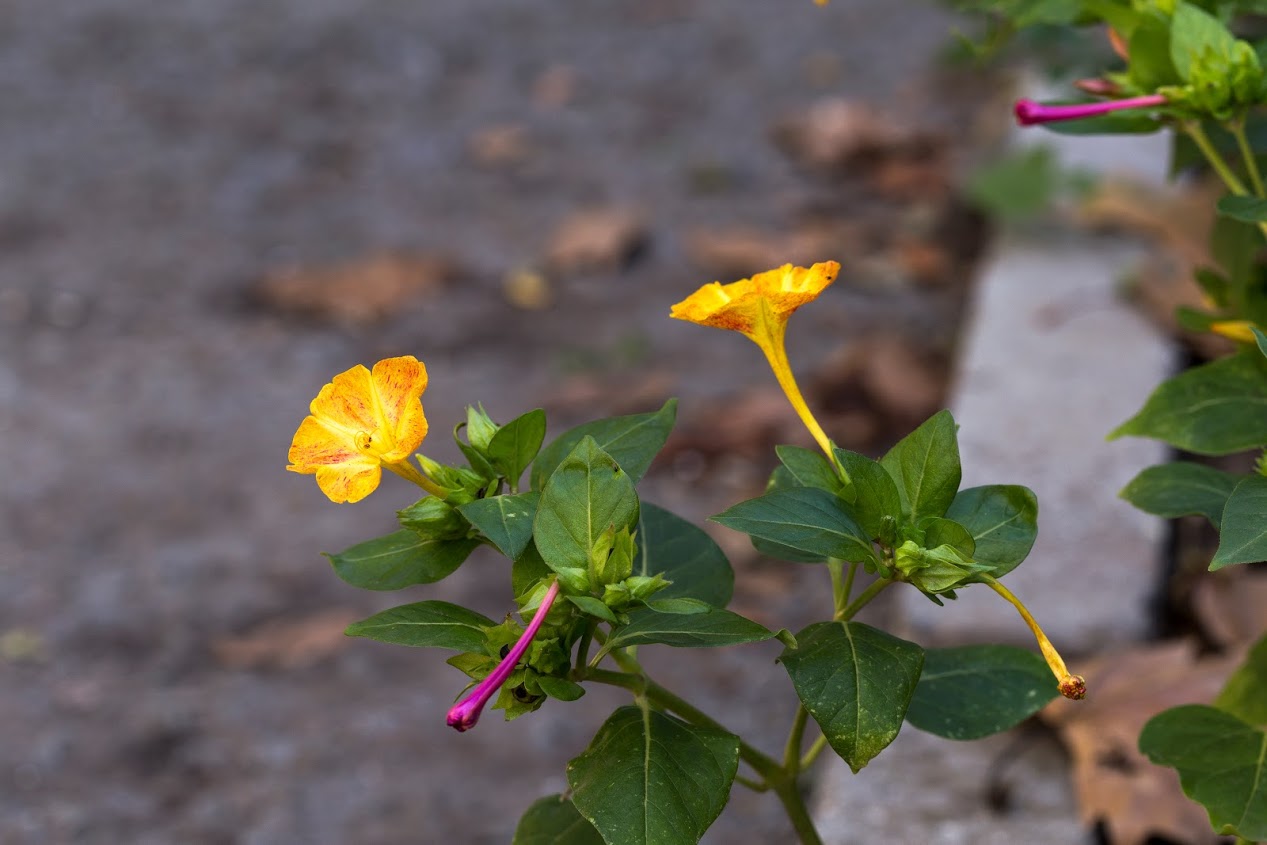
<point>349,482</point>
<point>734,306</point>
<point>316,445</point>
<point>788,287</point>
<point>400,383</point>
<point>348,401</point>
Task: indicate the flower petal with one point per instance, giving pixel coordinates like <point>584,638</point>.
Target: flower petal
<point>400,383</point>
<point>316,445</point>
<point>349,482</point>
<point>788,288</point>
<point>347,401</point>
<point>735,306</point>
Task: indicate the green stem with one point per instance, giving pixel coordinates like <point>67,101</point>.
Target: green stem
<point>1237,128</point>
<point>814,751</point>
<point>792,751</point>
<point>853,570</point>
<point>1197,133</point>
<point>859,603</point>
<point>583,654</point>
<point>754,785</point>
<point>835,568</point>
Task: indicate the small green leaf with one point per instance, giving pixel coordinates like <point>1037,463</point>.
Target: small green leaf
<point>810,468</point>
<point>1003,521</point>
<point>554,821</point>
<point>685,607</point>
<point>685,555</point>
<point>594,607</point>
<point>875,493</point>
<point>1214,409</point>
<point>516,443</point>
<point>856,681</point>
<point>975,691</point>
<point>695,630</point>
<point>1222,764</point>
<point>505,520</point>
<point>527,570</point>
<point>587,494</point>
<point>399,560</point>
<point>651,779</point>
<point>436,624</point>
<point>632,441</point>
<point>925,466</point>
<point>560,688</point>
<point>939,531</point>
<point>1245,694</point>
<point>1181,488</point>
<point>806,518</point>
<point>1260,339</point>
<point>1243,530</point>
<point>1195,33</point>
<point>1247,209</point>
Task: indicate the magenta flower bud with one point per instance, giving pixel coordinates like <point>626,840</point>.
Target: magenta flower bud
<point>466,712</point>
<point>1029,113</point>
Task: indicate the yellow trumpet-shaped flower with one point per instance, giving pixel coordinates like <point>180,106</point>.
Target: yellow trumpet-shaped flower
<point>361,422</point>
<point>1238,330</point>
<point>759,309</point>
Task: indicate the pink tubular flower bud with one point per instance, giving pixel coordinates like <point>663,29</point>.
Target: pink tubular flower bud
<point>466,712</point>
<point>1030,113</point>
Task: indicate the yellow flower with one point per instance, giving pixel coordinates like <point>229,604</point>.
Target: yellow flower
<point>360,422</point>
<point>1235,330</point>
<point>759,309</point>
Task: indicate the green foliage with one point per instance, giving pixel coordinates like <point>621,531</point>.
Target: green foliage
<point>856,682</point>
<point>514,446</point>
<point>1003,522</point>
<point>400,560</point>
<point>806,519</point>
<point>686,555</point>
<point>925,466</point>
<point>714,627</point>
<point>1245,694</point>
<point>436,624</point>
<point>810,468</point>
<point>505,520</point>
<point>1243,532</point>
<point>1018,185</point>
<point>651,779</point>
<point>876,494</point>
<point>1180,489</point>
<point>632,441</point>
<point>553,820</point>
<point>975,691</point>
<point>1245,209</point>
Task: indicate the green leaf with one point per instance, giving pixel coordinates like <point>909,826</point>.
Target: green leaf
<point>1243,530</point>
<point>587,494</point>
<point>939,531</point>
<point>925,465</point>
<point>696,630</point>
<point>810,468</point>
<point>1260,339</point>
<point>686,555</point>
<point>651,779</point>
<point>1193,34</point>
<point>560,688</point>
<point>1214,409</point>
<point>516,443</point>
<point>1114,123</point>
<point>806,519</point>
<point>505,520</point>
<point>436,624</point>
<point>1222,764</point>
<point>684,607</point>
<point>594,607</point>
<point>554,821</point>
<point>856,681</point>
<point>1003,521</point>
<point>527,570</point>
<point>1245,694</point>
<point>1016,186</point>
<point>782,479</point>
<point>875,493</point>
<point>1247,209</point>
<point>400,559</point>
<point>1181,488</point>
<point>632,441</point>
<point>975,691</point>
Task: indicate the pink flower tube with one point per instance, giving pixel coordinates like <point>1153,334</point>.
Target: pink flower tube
<point>1030,113</point>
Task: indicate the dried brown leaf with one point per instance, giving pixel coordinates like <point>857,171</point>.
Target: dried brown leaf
<point>362,291</point>
<point>597,239</point>
<point>286,643</point>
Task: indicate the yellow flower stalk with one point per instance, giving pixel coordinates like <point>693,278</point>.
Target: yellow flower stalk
<point>759,309</point>
<point>1071,686</point>
<point>361,422</point>
<point>1238,330</point>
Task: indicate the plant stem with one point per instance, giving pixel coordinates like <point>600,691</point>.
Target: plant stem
<point>867,595</point>
<point>839,598</point>
<point>814,751</point>
<point>1237,128</point>
<point>754,785</point>
<point>776,354</point>
<point>1197,133</point>
<point>853,570</point>
<point>792,752</point>
<point>583,654</point>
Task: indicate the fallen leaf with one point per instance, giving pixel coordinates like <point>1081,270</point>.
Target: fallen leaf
<point>504,145</point>
<point>527,290</point>
<point>361,292</point>
<point>739,252</point>
<point>597,239</point>
<point>836,132</point>
<point>902,382</point>
<point>1231,605</point>
<point>1114,782</point>
<point>286,643</point>
<point>554,87</point>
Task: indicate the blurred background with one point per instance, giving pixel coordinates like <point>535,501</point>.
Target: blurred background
<point>209,209</point>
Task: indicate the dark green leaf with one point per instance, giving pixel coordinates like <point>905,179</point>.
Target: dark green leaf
<point>516,443</point>
<point>694,630</point>
<point>778,551</point>
<point>939,531</point>
<point>505,520</point>
<point>1245,695</point>
<point>1260,339</point>
<point>528,569</point>
<point>1003,521</point>
<point>1235,247</point>
<point>1243,530</point>
<point>587,494</point>
<point>554,821</point>
<point>1151,63</point>
<point>686,555</point>
<point>1214,409</point>
<point>437,624</point>
<point>1246,209</point>
<point>856,681</point>
<point>925,466</point>
<point>560,688</point>
<point>975,691</point>
<point>1193,34</point>
<point>594,607</point>
<point>810,468</point>
<point>632,441</point>
<point>651,779</point>
<point>1222,764</point>
<point>875,493</point>
<point>1181,488</point>
<point>806,519</point>
<point>398,560</point>
<point>1114,123</point>
<point>679,606</point>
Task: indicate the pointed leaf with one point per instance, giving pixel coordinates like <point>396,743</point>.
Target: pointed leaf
<point>632,441</point>
<point>694,630</point>
<point>554,821</point>
<point>806,519</point>
<point>651,779</point>
<point>875,493</point>
<point>925,466</point>
<point>810,468</point>
<point>856,681</point>
<point>975,691</point>
<point>436,624</point>
<point>1245,695</point>
<point>1243,531</point>
<point>1180,489</point>
<point>686,555</point>
<point>1260,339</point>
<point>400,559</point>
<point>1222,764</point>
<point>1247,209</point>
<point>1003,521</point>
<point>516,443</point>
<point>505,520</point>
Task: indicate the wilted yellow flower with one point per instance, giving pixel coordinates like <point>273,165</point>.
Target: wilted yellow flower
<point>759,309</point>
<point>1239,330</point>
<point>360,422</point>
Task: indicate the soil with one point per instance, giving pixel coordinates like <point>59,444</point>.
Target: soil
<point>160,160</point>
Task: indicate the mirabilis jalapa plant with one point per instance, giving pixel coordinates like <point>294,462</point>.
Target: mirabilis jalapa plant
<point>595,573</point>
